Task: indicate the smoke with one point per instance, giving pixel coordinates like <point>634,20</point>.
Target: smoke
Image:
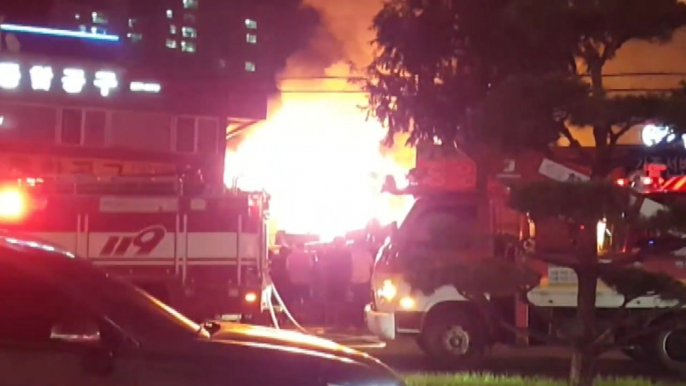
<point>349,22</point>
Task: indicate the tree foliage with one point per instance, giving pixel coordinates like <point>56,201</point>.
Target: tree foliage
<point>511,73</point>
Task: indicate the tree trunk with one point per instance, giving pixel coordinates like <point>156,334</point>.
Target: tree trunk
<point>601,131</point>
<point>582,368</point>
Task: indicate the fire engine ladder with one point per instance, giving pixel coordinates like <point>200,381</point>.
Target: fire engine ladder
<point>116,185</point>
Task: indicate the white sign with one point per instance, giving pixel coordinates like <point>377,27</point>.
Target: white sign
<point>73,80</point>
<point>558,172</point>
<point>105,81</point>
<point>10,76</point>
<point>652,135</point>
<point>41,78</point>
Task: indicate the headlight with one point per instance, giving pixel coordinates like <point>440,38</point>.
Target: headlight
<point>388,291</point>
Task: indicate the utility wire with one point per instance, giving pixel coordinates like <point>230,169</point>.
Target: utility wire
<point>616,75</point>
<point>609,90</point>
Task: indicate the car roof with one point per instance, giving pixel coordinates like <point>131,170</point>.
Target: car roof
<point>19,248</point>
<point>30,244</point>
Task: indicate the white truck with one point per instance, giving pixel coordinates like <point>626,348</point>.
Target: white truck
<point>452,330</point>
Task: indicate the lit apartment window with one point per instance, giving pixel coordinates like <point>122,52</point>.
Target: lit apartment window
<point>170,14</point>
<point>98,31</point>
<point>250,24</point>
<point>190,4</point>
<point>77,16</point>
<point>83,28</point>
<point>171,43</point>
<point>99,18</point>
<point>172,29</point>
<point>251,38</point>
<point>188,18</point>
<point>134,37</point>
<point>187,46</point>
<point>132,23</point>
<point>189,32</point>
<point>250,66</point>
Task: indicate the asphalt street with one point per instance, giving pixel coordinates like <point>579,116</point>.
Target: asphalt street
<point>405,357</point>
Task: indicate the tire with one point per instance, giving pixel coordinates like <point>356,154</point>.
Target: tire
<point>454,340</point>
<point>670,346</point>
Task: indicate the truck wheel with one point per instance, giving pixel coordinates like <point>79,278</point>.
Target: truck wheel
<point>454,340</point>
<point>670,345</point>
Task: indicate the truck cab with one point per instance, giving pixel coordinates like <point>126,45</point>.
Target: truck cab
<point>439,228</point>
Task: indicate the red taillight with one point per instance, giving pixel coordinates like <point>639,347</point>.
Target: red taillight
<point>622,182</point>
<point>13,204</point>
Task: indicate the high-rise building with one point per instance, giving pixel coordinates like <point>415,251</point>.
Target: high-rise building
<point>187,39</point>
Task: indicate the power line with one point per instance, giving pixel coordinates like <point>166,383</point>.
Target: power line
<point>616,75</point>
<point>609,90</point>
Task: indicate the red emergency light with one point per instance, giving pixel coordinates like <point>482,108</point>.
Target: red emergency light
<point>14,204</point>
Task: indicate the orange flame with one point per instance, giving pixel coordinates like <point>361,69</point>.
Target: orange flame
<point>321,161</point>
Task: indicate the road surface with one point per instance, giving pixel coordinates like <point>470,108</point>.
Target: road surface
<point>406,357</point>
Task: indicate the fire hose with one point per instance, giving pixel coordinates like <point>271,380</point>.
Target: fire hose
<point>270,293</point>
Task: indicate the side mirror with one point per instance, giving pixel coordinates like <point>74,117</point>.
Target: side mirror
<point>76,331</point>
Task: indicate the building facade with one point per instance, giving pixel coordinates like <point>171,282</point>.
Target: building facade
<point>181,39</point>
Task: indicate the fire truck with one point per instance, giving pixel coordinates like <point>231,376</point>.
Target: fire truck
<point>126,171</point>
<point>452,330</point>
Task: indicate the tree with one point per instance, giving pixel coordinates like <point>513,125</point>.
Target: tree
<point>581,206</point>
<point>519,74</point>
<point>439,62</point>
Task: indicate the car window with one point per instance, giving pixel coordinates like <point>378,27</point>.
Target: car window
<point>34,311</point>
<point>137,312</point>
<point>127,306</point>
<point>449,227</point>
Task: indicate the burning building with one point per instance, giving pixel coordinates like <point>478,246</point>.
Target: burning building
<point>317,154</point>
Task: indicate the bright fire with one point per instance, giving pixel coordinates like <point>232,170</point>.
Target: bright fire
<point>321,161</point>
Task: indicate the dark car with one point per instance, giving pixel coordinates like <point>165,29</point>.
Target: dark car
<point>65,322</point>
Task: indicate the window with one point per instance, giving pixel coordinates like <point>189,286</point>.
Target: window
<point>188,18</point>
<point>172,29</point>
<point>250,24</point>
<point>94,128</point>
<point>208,136</point>
<point>171,43</point>
<point>189,32</point>
<point>250,66</point>
<point>98,30</point>
<point>170,14</point>
<point>187,46</point>
<point>99,18</point>
<point>185,135</point>
<point>251,38</point>
<point>190,4</point>
<point>134,37</point>
<point>135,130</point>
<point>83,28</point>
<point>71,127</point>
<point>446,227</point>
<point>222,63</point>
<point>27,318</point>
<point>28,123</point>
<point>132,23</point>
<point>77,16</point>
